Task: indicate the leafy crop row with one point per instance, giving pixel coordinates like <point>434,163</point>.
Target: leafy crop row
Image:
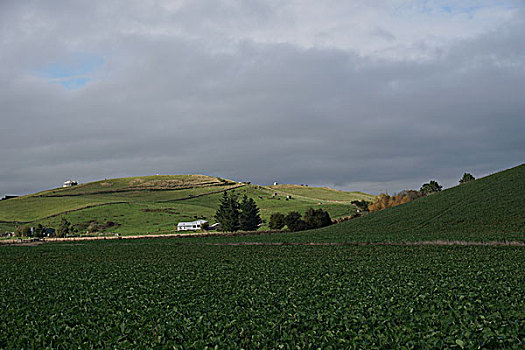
<point>160,294</point>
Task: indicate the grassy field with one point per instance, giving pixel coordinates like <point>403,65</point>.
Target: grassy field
<point>157,293</point>
<point>320,193</point>
<point>156,203</point>
<point>491,208</point>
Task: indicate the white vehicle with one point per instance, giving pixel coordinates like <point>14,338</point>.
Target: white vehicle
<point>191,226</point>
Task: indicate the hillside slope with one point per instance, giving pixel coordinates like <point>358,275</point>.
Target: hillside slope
<point>490,208</point>
<point>156,203</point>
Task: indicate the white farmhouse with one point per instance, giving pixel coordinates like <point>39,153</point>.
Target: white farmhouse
<point>70,183</point>
<point>191,226</point>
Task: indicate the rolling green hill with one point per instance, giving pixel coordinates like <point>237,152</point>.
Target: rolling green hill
<point>151,204</point>
<point>320,193</point>
<point>490,208</point>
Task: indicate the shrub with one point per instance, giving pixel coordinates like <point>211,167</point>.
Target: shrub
<point>26,231</point>
<point>277,221</point>
<point>316,218</point>
<point>294,222</point>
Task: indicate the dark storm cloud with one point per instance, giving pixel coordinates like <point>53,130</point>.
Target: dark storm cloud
<point>196,89</point>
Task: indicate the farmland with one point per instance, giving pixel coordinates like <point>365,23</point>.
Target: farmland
<point>488,209</point>
<point>204,293</point>
<point>158,293</point>
<point>152,204</point>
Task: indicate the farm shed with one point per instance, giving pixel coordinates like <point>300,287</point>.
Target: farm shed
<point>191,226</point>
<point>70,183</point>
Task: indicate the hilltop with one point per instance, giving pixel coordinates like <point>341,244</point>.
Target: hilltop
<point>490,208</point>
<point>151,204</point>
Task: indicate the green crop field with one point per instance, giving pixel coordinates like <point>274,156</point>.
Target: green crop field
<point>153,204</point>
<point>160,294</point>
<point>491,208</point>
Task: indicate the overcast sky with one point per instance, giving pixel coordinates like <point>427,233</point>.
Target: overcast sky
<point>358,95</point>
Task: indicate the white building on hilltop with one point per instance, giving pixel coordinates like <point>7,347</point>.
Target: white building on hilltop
<point>70,183</point>
<point>191,226</point>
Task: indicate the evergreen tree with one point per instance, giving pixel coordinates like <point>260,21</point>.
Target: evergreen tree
<point>294,222</point>
<point>467,177</point>
<point>64,228</point>
<point>228,212</point>
<point>276,221</point>
<point>39,231</point>
<point>249,218</point>
<point>316,218</point>
<point>430,187</point>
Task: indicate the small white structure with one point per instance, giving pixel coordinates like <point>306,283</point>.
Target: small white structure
<point>191,226</point>
<point>70,183</point>
<point>275,183</point>
<point>215,226</point>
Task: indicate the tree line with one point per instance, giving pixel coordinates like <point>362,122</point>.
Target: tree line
<point>312,218</point>
<point>234,215</point>
<point>384,200</point>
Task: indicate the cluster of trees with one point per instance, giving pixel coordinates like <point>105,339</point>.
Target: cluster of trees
<point>37,231</point>
<point>28,231</point>
<point>312,218</point>
<point>385,201</point>
<point>233,215</point>
<point>467,177</point>
<point>65,228</point>
<point>362,204</point>
<point>430,187</point>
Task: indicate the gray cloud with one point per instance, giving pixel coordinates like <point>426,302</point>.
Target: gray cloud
<point>212,88</point>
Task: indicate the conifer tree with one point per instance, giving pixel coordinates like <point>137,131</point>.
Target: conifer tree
<point>228,212</point>
<point>249,218</point>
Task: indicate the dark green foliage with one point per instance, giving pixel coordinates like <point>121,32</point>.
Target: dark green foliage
<point>159,294</point>
<point>39,231</point>
<point>430,187</point>
<point>276,221</point>
<point>317,218</point>
<point>64,228</point>
<point>313,218</point>
<point>467,177</point>
<point>228,212</point>
<point>26,231</point>
<point>249,217</point>
<point>362,204</point>
<point>294,222</point>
